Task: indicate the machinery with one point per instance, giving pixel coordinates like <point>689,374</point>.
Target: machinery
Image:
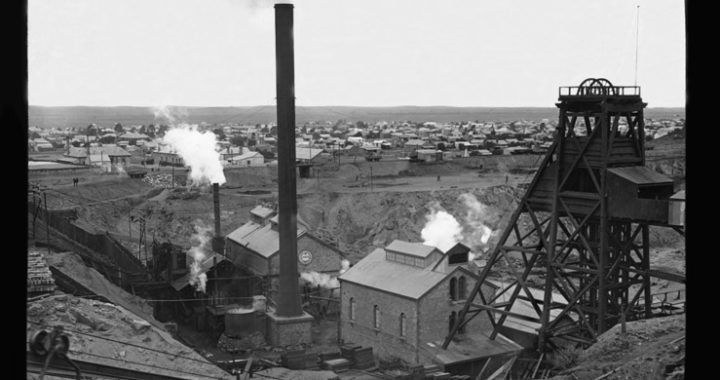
<point>589,207</point>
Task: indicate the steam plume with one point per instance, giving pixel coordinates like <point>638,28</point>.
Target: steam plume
<point>200,239</point>
<point>442,230</point>
<point>320,279</point>
<point>345,265</point>
<point>198,151</point>
<point>476,230</point>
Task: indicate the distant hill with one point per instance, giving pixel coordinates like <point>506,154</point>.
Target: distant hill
<point>81,116</point>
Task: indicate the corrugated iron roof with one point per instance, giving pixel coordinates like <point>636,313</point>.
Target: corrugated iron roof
<point>680,195</point>
<point>640,175</point>
<point>106,150</point>
<point>39,277</point>
<point>304,153</point>
<point>525,307</point>
<point>411,248</point>
<point>262,211</point>
<point>207,264</point>
<point>374,271</point>
<point>258,238</point>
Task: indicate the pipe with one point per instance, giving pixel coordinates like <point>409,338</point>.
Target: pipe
<point>288,304</point>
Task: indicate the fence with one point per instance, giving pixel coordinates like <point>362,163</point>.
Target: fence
<point>117,263</point>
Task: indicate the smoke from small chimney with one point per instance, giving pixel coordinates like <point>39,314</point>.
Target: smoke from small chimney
<point>198,150</point>
<point>197,252</point>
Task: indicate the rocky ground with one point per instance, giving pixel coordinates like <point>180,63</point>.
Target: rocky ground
<point>648,349</point>
<point>111,335</point>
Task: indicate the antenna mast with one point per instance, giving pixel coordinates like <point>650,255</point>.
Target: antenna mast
<point>637,33</point>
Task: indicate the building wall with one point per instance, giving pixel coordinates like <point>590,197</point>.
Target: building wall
<point>324,258</point>
<point>245,258</point>
<point>436,306</point>
<point>386,340</point>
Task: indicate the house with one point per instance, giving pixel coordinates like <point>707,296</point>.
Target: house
<point>167,158</point>
<point>246,159</point>
<point>109,158</point>
<point>132,138</point>
<point>255,245</point>
<point>403,300</point>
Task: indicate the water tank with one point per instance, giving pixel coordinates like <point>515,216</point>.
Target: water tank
<point>239,322</point>
<point>676,212</point>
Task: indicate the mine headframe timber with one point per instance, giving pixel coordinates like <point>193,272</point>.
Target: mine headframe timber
<point>589,207</point>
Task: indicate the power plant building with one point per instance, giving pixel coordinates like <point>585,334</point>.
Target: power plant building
<point>254,247</point>
<point>403,299</point>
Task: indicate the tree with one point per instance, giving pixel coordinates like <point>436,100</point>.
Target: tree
<point>219,133</point>
<point>150,130</point>
<point>252,142</point>
<point>76,144</point>
<point>109,139</point>
<point>161,131</point>
<point>316,136</point>
<point>237,140</point>
<point>34,135</point>
<point>119,128</point>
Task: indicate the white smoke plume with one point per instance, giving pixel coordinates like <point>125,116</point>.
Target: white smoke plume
<point>200,240</point>
<point>442,230</point>
<point>320,279</point>
<point>169,115</point>
<point>476,224</point>
<point>198,150</point>
<point>344,266</point>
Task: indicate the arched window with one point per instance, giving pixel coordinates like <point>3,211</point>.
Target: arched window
<point>376,316</point>
<point>461,288</point>
<point>453,316</point>
<point>352,309</point>
<point>453,288</point>
<point>402,324</point>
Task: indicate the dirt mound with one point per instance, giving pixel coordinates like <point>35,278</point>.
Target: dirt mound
<point>358,222</point>
<point>111,335</point>
<point>649,349</point>
<point>72,266</point>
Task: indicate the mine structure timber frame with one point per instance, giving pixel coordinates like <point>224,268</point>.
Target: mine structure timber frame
<point>599,264</point>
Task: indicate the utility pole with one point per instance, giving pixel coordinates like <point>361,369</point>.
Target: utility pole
<point>371,178</point>
<point>47,223</point>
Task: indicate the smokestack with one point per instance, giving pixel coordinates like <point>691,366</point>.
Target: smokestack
<point>218,243</point>
<point>288,302</point>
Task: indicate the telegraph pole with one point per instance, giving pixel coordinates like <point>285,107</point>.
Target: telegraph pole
<point>47,223</point>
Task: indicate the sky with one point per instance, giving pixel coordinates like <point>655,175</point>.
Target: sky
<point>513,53</point>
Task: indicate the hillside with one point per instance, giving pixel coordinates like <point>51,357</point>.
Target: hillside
<point>81,116</point>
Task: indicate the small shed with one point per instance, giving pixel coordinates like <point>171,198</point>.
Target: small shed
<point>638,193</point>
<point>676,209</point>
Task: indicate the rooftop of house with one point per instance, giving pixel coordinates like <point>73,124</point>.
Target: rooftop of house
<point>376,272</point>
<point>262,239</point>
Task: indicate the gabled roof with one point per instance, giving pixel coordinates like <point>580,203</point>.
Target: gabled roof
<point>245,156</point>
<point>262,211</point>
<point>106,151</point>
<point>305,153</point>
<point>640,175</point>
<point>210,261</point>
<point>411,248</point>
<point>263,240</point>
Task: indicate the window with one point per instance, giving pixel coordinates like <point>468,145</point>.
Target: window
<point>419,262</point>
<point>402,324</point>
<point>458,258</point>
<point>352,309</point>
<point>376,316</point>
<point>453,288</point>
<point>461,288</point>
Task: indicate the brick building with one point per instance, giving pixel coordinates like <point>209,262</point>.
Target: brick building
<point>403,299</point>
<point>254,246</point>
